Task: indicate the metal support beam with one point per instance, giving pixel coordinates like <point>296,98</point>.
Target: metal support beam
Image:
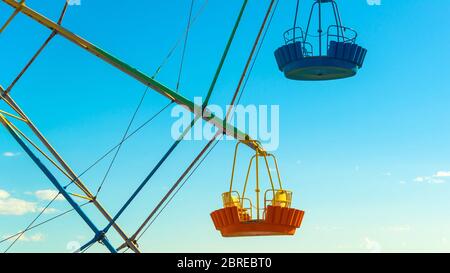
<point>136,74</point>
<point>71,174</point>
<point>187,130</point>
<point>56,183</point>
<point>6,24</point>
<point>198,110</point>
<point>205,149</point>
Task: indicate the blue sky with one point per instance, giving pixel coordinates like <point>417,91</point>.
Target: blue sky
<point>366,157</point>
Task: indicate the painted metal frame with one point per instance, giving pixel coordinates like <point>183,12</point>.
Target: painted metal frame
<point>54,158</point>
<point>59,162</point>
<point>99,235</point>
<point>133,72</point>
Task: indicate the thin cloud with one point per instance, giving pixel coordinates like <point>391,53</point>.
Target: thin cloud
<point>397,229</point>
<point>440,177</point>
<point>442,174</point>
<point>372,246</point>
<point>14,206</point>
<point>4,194</point>
<point>38,237</point>
<point>10,206</point>
<point>48,195</point>
<point>10,154</point>
<point>429,180</point>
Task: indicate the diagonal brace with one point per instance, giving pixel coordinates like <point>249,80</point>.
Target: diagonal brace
<point>136,74</point>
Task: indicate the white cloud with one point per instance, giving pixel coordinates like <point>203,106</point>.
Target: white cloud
<point>372,246</point>
<point>436,181</point>
<point>438,178</point>
<point>38,237</point>
<point>10,154</point>
<point>429,180</point>
<point>4,194</point>
<point>48,195</point>
<point>419,179</point>
<point>17,207</point>
<point>14,206</point>
<point>21,238</point>
<point>442,174</point>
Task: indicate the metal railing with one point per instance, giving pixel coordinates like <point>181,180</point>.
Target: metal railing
<point>341,34</point>
<point>277,197</point>
<point>233,199</point>
<point>297,35</point>
<point>334,33</point>
<point>280,198</point>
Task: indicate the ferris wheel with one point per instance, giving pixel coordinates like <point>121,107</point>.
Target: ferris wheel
<point>304,56</point>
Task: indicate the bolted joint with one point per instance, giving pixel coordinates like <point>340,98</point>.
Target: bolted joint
<point>132,244</point>
<point>100,237</point>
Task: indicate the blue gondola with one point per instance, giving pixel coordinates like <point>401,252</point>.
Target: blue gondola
<point>343,58</point>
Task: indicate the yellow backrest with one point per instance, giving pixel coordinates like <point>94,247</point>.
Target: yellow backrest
<point>282,198</point>
<point>230,201</point>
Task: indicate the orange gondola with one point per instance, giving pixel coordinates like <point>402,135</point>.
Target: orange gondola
<point>276,217</point>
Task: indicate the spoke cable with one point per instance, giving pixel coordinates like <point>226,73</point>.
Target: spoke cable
<point>257,53</point>
<point>143,97</point>
<point>183,55</point>
<point>39,51</point>
<point>126,136</point>
<point>230,110</point>
<point>121,142</point>
<point>178,42</point>
<point>176,192</point>
<point>32,223</point>
<point>126,139</point>
<point>42,223</point>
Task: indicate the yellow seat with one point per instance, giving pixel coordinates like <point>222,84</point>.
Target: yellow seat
<point>276,217</point>
<point>230,201</point>
<point>282,199</point>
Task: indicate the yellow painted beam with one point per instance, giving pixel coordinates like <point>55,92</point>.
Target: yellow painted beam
<point>135,73</point>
